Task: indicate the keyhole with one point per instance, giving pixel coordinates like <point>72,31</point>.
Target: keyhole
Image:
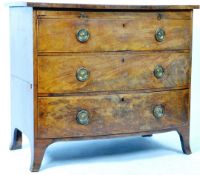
<point>123,60</point>
<point>122,99</point>
<point>124,25</point>
<point>159,17</point>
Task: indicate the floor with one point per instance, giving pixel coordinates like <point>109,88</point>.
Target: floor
<point>160,154</point>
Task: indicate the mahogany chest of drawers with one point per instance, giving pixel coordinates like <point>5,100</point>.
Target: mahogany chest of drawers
<point>98,71</point>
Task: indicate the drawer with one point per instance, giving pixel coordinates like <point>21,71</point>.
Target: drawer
<point>111,114</point>
<point>112,72</point>
<point>116,31</point>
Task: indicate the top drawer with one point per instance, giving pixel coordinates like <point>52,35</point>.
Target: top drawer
<point>113,31</point>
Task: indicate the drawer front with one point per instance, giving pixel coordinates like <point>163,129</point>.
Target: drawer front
<point>111,114</point>
<point>112,72</point>
<point>113,31</point>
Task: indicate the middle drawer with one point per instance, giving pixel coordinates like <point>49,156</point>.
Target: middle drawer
<point>112,72</point>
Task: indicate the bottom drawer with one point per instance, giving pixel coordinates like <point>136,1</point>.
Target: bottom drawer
<point>95,115</point>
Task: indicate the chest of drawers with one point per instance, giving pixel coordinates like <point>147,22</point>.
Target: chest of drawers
<point>98,71</point>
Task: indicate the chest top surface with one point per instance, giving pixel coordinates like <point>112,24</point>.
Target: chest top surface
<point>103,7</point>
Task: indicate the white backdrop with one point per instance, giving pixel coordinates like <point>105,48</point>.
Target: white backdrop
<point>158,155</point>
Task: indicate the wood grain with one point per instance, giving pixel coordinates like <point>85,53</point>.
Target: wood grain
<point>110,114</point>
<point>121,55</point>
<point>184,134</point>
<point>102,6</point>
<point>113,33</point>
<point>157,15</point>
<point>37,153</point>
<point>112,72</point>
<point>42,144</point>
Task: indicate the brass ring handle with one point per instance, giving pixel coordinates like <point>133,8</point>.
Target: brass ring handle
<point>159,71</point>
<point>83,117</point>
<point>82,74</point>
<point>160,35</point>
<point>83,35</point>
<point>158,111</point>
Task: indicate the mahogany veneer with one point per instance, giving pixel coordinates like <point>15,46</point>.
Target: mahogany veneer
<point>98,71</point>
